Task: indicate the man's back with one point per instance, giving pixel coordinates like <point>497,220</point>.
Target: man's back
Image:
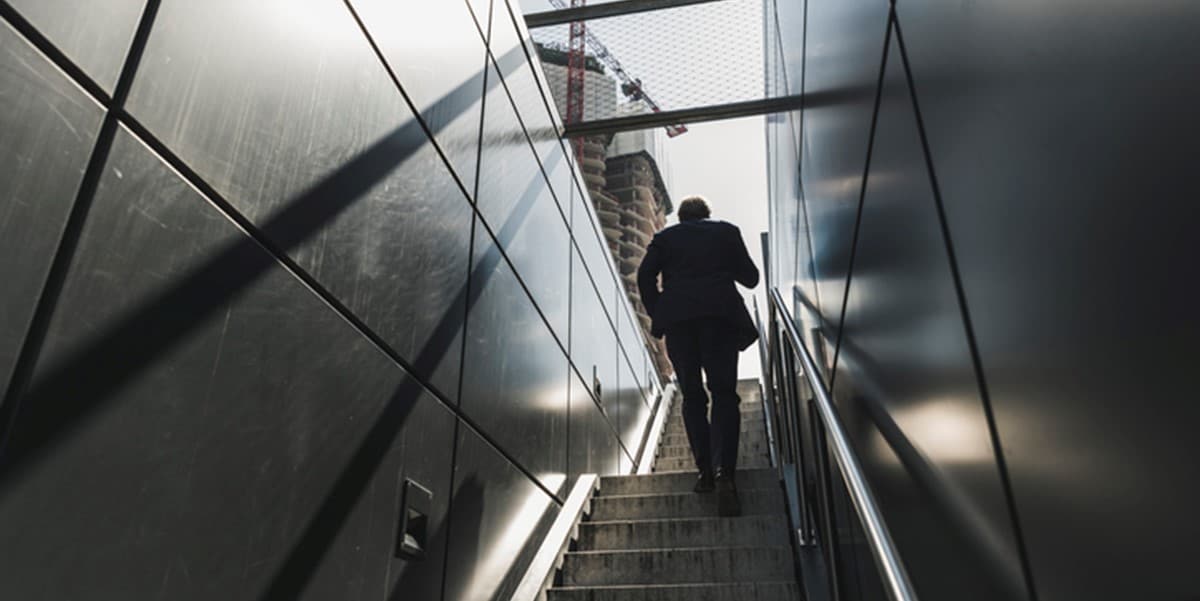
<point>699,261</point>
<point>704,251</point>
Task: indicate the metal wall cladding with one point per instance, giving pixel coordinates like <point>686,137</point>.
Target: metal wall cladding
<point>287,112</point>
<point>515,373</point>
<point>1064,155</point>
<point>495,509</point>
<point>96,35</point>
<point>632,411</point>
<point>906,384</point>
<point>47,129</point>
<point>631,344</point>
<point>536,114</point>
<point>183,436</point>
<point>791,17</point>
<point>439,59</point>
<point>519,208</point>
<point>593,342</point>
<point>596,254</point>
<point>593,444</point>
<point>198,390</point>
<point>844,50</point>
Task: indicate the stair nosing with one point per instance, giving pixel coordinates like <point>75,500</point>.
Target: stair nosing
<point>679,494</point>
<point>761,516</point>
<point>678,585</point>
<point>786,548</point>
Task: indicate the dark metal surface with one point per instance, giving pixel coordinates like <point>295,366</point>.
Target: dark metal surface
<point>595,253</point>
<point>216,378</point>
<point>1064,153</point>
<point>517,205</point>
<point>844,51</point>
<point>905,382</point>
<point>242,439</point>
<point>444,36</point>
<point>494,510</point>
<point>296,123</point>
<point>529,94</point>
<point>631,344</point>
<point>514,372</point>
<point>96,34</point>
<point>614,8</point>
<point>632,411</point>
<point>593,342</point>
<point>593,445</point>
<point>47,129</point>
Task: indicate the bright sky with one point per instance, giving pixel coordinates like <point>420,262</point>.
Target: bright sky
<point>725,161</point>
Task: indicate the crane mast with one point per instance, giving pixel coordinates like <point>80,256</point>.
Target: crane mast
<point>576,61</point>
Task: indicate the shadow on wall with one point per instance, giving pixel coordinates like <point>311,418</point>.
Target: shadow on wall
<point>61,400</point>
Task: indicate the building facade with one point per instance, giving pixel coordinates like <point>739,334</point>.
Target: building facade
<point>273,269</point>
<point>623,176</point>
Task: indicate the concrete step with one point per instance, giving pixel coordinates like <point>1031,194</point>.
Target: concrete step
<point>742,591</point>
<point>687,532</point>
<point>679,464</point>
<point>678,566</point>
<point>759,501</point>
<point>745,447</point>
<point>680,482</point>
<point>750,423</point>
<point>747,408</point>
<point>681,439</point>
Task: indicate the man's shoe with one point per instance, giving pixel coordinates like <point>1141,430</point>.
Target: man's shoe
<point>728,505</point>
<point>705,482</point>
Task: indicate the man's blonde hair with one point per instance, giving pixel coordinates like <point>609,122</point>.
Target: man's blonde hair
<point>693,208</point>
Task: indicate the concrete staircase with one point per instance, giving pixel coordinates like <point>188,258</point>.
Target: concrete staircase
<point>650,538</point>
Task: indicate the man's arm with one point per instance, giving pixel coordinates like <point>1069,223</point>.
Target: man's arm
<point>744,270</point>
<point>647,277</point>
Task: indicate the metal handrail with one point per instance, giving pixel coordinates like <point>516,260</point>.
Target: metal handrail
<point>883,548</point>
<point>764,367</point>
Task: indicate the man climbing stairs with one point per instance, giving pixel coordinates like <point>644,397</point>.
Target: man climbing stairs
<point>650,538</point>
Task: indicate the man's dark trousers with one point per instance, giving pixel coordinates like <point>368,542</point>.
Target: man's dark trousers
<point>708,344</point>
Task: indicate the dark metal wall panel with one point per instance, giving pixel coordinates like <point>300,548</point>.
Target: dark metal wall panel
<point>843,56</point>
<point>594,252</point>
<point>436,52</point>
<point>632,410</point>
<point>515,373</point>
<point>906,383</point>
<point>1064,149</point>
<point>519,76</point>
<point>495,510</point>
<point>593,343</point>
<point>631,343</point>
<point>516,202</point>
<point>287,112</point>
<point>95,34</point>
<point>594,448</point>
<point>184,437</point>
<point>47,129</point>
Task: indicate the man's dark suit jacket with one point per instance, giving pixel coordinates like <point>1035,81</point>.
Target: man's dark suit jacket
<point>699,261</point>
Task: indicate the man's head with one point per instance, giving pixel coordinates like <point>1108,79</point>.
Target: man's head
<point>693,208</point>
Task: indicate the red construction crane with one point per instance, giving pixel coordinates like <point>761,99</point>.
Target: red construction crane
<point>576,63</point>
<point>576,57</point>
